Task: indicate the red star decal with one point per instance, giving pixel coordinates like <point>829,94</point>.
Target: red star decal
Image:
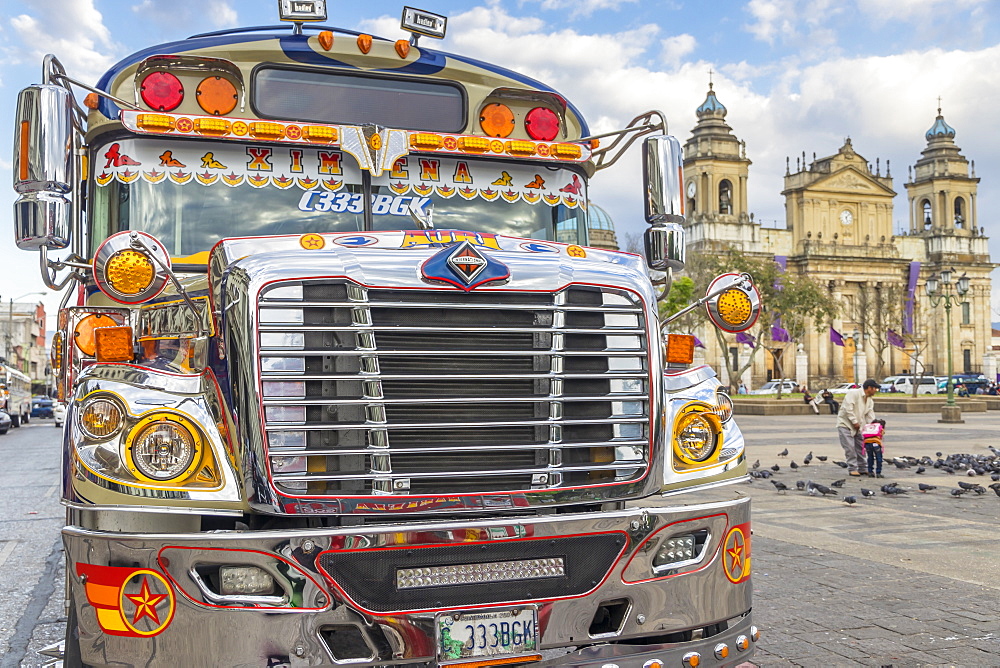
<point>736,555</point>
<point>145,603</point>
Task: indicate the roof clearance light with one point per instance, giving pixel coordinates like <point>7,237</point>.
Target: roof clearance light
<point>217,95</point>
<point>520,147</point>
<point>567,151</point>
<point>302,10</point>
<point>497,120</point>
<point>319,133</point>
<point>474,144</point>
<point>267,130</point>
<point>426,140</point>
<point>421,22</point>
<point>542,124</point>
<point>155,122</point>
<point>162,91</point>
<point>212,126</point>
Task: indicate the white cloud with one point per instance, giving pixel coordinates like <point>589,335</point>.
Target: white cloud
<point>772,18</point>
<point>72,29</point>
<point>190,15</point>
<point>888,10</point>
<point>675,48</point>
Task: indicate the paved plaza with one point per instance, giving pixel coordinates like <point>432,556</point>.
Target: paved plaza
<point>907,580</point>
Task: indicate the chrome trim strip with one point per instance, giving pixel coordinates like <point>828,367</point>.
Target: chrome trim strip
<point>276,452</point>
<point>440,425</point>
<point>500,306</point>
<point>711,485</point>
<point>166,510</point>
<point>290,401</point>
<point>285,352</point>
<point>292,328</point>
<point>610,375</point>
<point>687,379</point>
<point>488,473</point>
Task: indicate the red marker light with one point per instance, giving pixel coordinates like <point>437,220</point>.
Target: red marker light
<point>162,91</point>
<point>542,124</point>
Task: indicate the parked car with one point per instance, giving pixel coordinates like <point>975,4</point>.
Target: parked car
<point>843,388</point>
<point>41,407</point>
<point>771,387</point>
<point>5,422</point>
<point>972,382</point>
<point>904,384</point>
<point>59,413</point>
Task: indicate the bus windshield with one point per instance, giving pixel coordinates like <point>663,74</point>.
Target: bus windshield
<point>192,194</point>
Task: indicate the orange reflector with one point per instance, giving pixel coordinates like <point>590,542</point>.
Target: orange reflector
<point>680,349</point>
<point>474,144</point>
<point>595,144</point>
<point>22,171</point>
<point>212,126</point>
<point>91,101</point>
<point>520,147</point>
<point>325,40</point>
<point>568,151</point>
<point>216,95</point>
<point>496,120</point>
<point>113,344</point>
<point>496,662</point>
<point>402,48</point>
<point>155,122</point>
<point>426,140</point>
<point>365,43</point>
<point>83,335</point>
<point>267,130</point>
<point>319,133</point>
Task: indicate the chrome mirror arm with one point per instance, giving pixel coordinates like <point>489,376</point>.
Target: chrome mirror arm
<point>639,126</point>
<point>50,267</point>
<point>136,242</point>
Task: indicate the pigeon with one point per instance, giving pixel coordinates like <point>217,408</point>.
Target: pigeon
<point>783,453</point>
<point>775,468</point>
<point>756,464</point>
<point>822,489</point>
<point>800,484</point>
<point>970,472</point>
<point>995,477</point>
<point>892,489</point>
<point>867,493</point>
<point>926,488</point>
<point>838,483</point>
<point>780,486</point>
<point>842,465</point>
<point>920,469</point>
<point>979,490</point>
<point>900,463</point>
<point>822,458</point>
<point>957,492</point>
<point>808,458</point>
<point>996,487</point>
<point>793,465</point>
<point>850,500</point>
<point>948,469</point>
<point>967,486</point>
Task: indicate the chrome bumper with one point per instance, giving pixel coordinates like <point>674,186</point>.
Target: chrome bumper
<point>698,607</point>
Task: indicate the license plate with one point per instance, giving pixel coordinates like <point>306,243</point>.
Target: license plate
<point>486,633</point>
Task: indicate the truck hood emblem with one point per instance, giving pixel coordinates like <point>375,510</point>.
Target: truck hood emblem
<point>465,267</point>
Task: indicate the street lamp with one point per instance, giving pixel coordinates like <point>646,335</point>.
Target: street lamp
<point>10,322</point>
<point>938,294</point>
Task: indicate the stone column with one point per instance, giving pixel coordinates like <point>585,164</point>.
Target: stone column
<point>747,376</point>
<point>802,366</point>
<point>990,366</point>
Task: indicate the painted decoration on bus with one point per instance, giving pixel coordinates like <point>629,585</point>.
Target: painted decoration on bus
<point>133,602</point>
<point>323,172</point>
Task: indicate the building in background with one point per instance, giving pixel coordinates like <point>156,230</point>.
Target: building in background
<point>838,230</point>
<point>22,334</point>
<point>601,228</point>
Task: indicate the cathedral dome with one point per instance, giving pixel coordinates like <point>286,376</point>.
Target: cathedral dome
<point>601,229</point>
<point>940,128</point>
<point>711,106</point>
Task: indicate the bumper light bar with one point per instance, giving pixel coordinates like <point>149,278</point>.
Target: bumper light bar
<point>496,571</point>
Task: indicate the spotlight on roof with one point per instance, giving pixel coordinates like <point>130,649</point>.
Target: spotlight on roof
<point>420,22</point>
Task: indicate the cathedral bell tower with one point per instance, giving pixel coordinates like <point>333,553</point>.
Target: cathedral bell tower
<point>715,167</point>
<point>942,194</point>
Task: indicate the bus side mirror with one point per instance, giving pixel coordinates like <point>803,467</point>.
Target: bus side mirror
<point>43,167</point>
<point>662,174</point>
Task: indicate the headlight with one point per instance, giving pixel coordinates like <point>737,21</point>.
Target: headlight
<point>162,447</point>
<point>723,404</point>
<point>697,435</point>
<point>101,418</point>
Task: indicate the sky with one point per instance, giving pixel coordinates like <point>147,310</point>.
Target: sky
<point>795,75</point>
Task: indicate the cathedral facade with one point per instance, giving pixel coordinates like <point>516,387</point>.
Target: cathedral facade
<point>839,232</point>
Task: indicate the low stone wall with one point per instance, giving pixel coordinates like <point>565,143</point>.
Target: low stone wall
<point>883,404</point>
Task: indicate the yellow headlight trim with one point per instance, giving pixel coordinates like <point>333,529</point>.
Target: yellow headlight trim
<point>697,436</point>
<point>168,449</point>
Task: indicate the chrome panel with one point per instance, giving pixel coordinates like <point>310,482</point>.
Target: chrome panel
<point>96,473</point>
<point>367,366</point>
<point>654,603</point>
<point>662,172</point>
<point>45,113</point>
<point>42,219</point>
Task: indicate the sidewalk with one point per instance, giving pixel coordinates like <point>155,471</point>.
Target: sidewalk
<point>902,581</point>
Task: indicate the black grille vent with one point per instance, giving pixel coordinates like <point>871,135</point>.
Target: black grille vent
<point>373,391</point>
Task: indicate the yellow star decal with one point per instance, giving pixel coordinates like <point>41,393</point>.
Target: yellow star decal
<point>145,603</point>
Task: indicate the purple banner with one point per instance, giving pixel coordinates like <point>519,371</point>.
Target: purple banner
<point>911,293</point>
<point>743,337</point>
<point>780,334</point>
<point>894,339</point>
<point>835,337</point>
<point>698,343</point>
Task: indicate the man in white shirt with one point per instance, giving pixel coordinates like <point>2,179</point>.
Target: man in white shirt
<point>857,410</point>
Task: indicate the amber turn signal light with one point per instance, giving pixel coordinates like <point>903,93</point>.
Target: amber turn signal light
<point>680,349</point>
<point>83,333</point>
<point>113,344</point>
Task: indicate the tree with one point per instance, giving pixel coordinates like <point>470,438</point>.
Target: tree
<point>680,296</point>
<point>878,308</point>
<point>793,299</point>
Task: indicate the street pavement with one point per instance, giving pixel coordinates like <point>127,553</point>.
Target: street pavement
<point>890,581</point>
<point>907,580</point>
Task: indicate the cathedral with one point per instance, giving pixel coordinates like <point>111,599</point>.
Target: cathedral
<point>839,232</point>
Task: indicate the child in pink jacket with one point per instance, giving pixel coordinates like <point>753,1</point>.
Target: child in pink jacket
<point>872,434</point>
